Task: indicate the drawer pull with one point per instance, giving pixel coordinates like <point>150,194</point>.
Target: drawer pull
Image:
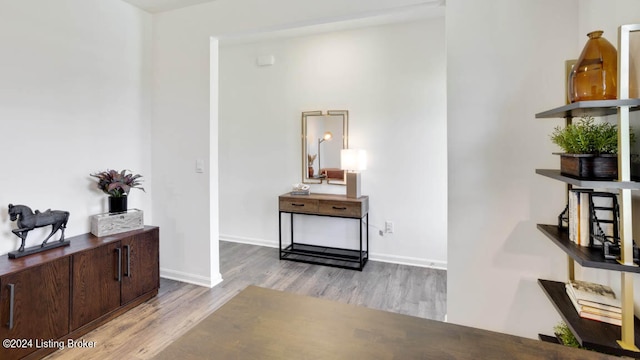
<point>339,208</point>
<point>12,298</point>
<point>119,276</point>
<point>294,204</point>
<point>128,273</point>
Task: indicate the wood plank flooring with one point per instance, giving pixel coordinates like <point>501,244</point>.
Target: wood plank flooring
<point>145,330</point>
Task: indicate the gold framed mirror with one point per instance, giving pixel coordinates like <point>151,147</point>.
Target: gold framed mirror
<point>323,136</point>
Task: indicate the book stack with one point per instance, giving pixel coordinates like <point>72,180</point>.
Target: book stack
<point>300,189</point>
<point>595,302</point>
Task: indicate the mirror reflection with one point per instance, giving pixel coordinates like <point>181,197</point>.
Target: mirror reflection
<point>323,136</point>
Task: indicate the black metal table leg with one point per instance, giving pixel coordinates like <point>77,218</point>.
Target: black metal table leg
<point>291,230</point>
<point>280,234</point>
<point>367,217</point>
<point>360,252</point>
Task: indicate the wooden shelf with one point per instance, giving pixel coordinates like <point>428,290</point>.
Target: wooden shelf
<point>591,334</point>
<point>583,255</point>
<point>595,184</point>
<point>592,108</point>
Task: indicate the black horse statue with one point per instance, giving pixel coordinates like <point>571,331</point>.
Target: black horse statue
<point>27,221</point>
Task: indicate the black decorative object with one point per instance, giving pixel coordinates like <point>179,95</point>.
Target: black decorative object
<point>610,244</point>
<point>117,204</point>
<point>27,220</point>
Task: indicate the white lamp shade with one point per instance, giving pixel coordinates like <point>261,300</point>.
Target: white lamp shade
<point>353,159</point>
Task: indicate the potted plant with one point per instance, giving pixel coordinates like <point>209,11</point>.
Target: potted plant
<point>565,336</point>
<point>590,149</point>
<point>117,185</point>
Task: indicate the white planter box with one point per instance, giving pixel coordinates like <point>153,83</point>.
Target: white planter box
<point>109,224</point>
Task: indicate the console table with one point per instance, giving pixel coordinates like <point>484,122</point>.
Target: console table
<point>325,205</point>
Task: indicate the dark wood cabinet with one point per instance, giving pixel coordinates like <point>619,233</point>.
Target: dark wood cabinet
<point>140,268</point>
<point>96,287</point>
<point>34,305</point>
<point>66,292</point>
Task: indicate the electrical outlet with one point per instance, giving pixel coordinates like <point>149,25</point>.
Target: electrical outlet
<point>388,227</point>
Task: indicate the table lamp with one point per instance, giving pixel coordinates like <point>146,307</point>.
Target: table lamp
<point>354,161</point>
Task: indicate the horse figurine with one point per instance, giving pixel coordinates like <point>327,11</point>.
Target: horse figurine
<point>27,221</point>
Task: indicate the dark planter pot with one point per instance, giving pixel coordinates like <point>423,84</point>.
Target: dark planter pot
<point>589,166</point>
<point>117,204</point>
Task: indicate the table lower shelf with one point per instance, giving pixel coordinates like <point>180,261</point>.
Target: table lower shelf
<point>324,255</point>
<point>590,334</point>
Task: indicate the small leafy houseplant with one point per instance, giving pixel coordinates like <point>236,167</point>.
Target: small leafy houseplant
<point>117,185</point>
<point>565,335</point>
<point>590,149</point>
<point>588,137</point>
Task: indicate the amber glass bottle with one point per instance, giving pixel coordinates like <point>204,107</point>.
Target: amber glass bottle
<point>594,76</point>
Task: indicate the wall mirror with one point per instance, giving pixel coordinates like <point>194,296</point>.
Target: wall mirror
<point>323,136</point>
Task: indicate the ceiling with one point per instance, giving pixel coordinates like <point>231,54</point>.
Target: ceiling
<point>156,6</point>
<point>426,9</point>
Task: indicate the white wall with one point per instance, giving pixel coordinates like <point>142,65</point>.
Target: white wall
<point>496,254</point>
<point>182,123</point>
<point>504,65</point>
<point>391,78</point>
<point>74,99</point>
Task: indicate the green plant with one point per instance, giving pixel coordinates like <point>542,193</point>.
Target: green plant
<point>565,335</point>
<point>588,137</point>
<point>117,183</point>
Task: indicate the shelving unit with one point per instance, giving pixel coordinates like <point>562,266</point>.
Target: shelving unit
<point>593,334</point>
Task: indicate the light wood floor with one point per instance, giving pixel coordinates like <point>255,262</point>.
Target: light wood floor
<point>145,330</point>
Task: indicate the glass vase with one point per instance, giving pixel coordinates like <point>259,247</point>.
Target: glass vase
<point>594,76</point>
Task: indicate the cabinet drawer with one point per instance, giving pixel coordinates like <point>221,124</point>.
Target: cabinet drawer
<point>299,205</point>
<point>340,208</point>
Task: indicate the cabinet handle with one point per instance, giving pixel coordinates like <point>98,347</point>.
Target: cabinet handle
<point>339,208</point>
<point>119,277</point>
<point>294,204</point>
<point>12,297</point>
<point>128,273</point>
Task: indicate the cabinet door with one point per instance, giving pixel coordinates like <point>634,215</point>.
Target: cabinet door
<point>34,305</point>
<point>95,287</point>
<point>141,265</point>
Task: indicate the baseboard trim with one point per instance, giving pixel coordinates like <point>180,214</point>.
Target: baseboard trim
<point>249,241</point>
<point>393,259</point>
<point>190,278</point>
<point>411,261</point>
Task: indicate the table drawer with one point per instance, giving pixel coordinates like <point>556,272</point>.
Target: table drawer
<point>340,208</point>
<point>299,205</point>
